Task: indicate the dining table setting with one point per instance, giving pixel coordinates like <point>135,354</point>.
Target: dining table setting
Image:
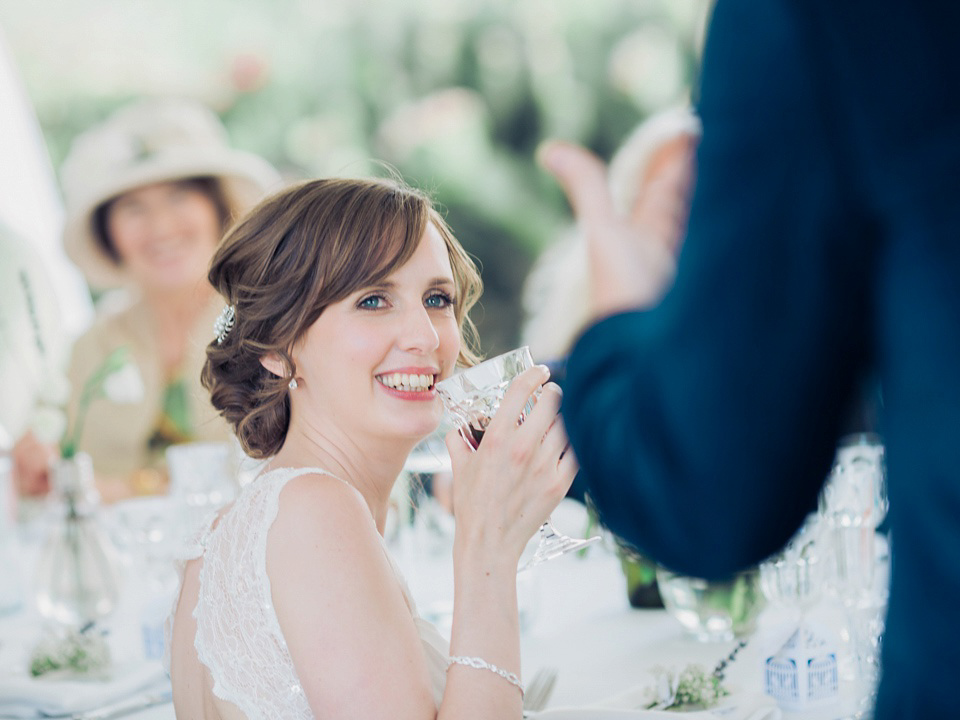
<point>587,653</point>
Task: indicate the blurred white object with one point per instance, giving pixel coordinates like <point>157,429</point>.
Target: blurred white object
<point>29,201</point>
<point>148,533</point>
<point>202,477</point>
<point>32,347</point>
<point>803,674</point>
<point>794,576</point>
<point>11,589</point>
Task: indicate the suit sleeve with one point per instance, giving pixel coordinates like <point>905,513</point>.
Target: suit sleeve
<point>705,427</point>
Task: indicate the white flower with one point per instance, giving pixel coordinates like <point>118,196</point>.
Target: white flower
<point>125,386</point>
<point>49,424</point>
<point>55,390</point>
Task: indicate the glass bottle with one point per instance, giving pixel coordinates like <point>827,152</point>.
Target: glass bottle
<point>77,581</point>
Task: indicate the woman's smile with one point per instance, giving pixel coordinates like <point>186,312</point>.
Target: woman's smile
<point>409,383</point>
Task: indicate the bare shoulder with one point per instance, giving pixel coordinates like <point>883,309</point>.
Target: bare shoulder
<point>340,606</point>
<point>322,523</point>
<point>317,505</point>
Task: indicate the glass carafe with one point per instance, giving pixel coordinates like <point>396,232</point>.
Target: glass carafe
<point>76,581</point>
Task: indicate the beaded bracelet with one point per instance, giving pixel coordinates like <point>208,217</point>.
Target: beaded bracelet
<point>481,664</point>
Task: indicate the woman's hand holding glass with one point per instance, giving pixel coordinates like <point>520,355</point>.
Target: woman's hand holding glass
<point>506,488</point>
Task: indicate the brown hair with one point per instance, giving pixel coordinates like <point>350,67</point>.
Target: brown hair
<point>209,186</point>
<point>296,253</point>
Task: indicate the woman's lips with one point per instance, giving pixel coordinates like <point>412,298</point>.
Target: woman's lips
<point>409,385</point>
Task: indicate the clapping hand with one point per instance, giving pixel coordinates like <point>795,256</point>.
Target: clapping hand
<point>632,258</point>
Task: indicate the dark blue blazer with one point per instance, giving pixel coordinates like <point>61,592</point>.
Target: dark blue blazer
<point>823,249</point>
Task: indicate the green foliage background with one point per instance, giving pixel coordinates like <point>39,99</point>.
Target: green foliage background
<point>455,94</point>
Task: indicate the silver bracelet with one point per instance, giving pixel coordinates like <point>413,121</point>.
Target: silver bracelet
<point>481,664</point>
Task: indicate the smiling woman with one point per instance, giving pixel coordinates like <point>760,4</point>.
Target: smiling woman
<point>296,260</point>
<point>347,302</point>
<point>148,192</point>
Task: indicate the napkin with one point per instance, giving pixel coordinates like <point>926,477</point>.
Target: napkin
<point>625,706</point>
<point>28,697</point>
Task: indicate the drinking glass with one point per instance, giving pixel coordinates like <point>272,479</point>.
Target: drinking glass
<point>852,504</point>
<point>712,610</point>
<point>472,398</point>
<point>202,477</point>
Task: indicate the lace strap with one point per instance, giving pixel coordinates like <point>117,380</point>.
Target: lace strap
<point>236,557</point>
<point>190,550</point>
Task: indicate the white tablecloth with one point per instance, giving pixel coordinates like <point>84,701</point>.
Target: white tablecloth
<point>575,617</point>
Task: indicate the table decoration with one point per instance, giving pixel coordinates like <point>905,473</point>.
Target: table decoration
<point>803,674</point>
<point>713,610</point>
<point>76,577</point>
<point>688,689</point>
<point>65,651</point>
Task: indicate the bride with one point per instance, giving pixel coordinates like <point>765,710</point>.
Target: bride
<point>347,302</point>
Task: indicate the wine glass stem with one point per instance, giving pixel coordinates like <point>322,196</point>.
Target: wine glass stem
<point>553,544</point>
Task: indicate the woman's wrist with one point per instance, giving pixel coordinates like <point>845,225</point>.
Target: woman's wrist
<point>479,553</point>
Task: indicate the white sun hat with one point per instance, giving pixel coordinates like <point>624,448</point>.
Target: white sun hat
<point>150,141</point>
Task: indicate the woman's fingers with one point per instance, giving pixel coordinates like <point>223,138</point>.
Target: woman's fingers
<point>568,467</point>
<point>517,396</point>
<point>456,446</point>
<point>555,441</point>
<point>545,412</point>
<point>583,177</point>
<point>31,460</point>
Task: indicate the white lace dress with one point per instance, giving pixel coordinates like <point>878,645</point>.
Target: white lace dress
<point>238,635</point>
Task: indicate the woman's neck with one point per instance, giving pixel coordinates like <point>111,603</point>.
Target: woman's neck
<point>370,466</point>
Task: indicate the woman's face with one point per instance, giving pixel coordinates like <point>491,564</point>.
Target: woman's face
<point>370,362</point>
<point>165,234</point>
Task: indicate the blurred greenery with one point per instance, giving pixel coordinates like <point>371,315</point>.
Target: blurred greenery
<point>455,94</point>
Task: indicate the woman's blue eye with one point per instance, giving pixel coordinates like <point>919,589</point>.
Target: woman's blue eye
<point>372,302</point>
<point>439,300</point>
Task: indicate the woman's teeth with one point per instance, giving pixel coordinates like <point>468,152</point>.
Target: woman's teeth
<point>411,382</point>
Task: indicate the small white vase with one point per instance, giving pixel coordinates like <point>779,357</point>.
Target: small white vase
<point>77,579</point>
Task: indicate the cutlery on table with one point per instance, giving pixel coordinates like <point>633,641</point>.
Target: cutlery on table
<point>539,690</point>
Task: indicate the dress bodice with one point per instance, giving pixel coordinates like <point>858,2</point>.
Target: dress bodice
<point>238,637</point>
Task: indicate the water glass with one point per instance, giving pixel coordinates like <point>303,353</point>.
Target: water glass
<point>202,477</point>
<point>471,398</point>
<point>713,611</point>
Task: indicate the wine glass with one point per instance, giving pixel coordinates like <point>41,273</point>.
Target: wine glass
<point>472,398</point>
<point>852,504</point>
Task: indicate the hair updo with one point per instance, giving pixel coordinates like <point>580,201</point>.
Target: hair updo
<point>296,253</point>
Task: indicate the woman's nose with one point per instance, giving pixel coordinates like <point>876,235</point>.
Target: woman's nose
<point>161,221</point>
<point>417,331</point>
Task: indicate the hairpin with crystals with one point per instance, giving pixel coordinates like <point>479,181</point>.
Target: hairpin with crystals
<point>224,323</point>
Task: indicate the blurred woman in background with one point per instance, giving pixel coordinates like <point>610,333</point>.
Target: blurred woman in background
<point>149,192</point>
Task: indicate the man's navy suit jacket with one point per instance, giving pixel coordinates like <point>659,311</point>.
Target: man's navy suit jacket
<point>823,248</point>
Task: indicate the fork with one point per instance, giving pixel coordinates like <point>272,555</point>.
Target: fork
<point>539,690</point>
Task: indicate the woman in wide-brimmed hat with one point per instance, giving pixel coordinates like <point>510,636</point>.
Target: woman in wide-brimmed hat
<point>148,192</point>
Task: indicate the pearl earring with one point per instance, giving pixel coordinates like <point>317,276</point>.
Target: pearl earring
<point>292,384</point>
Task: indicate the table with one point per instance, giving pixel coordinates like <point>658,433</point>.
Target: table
<point>574,614</point>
